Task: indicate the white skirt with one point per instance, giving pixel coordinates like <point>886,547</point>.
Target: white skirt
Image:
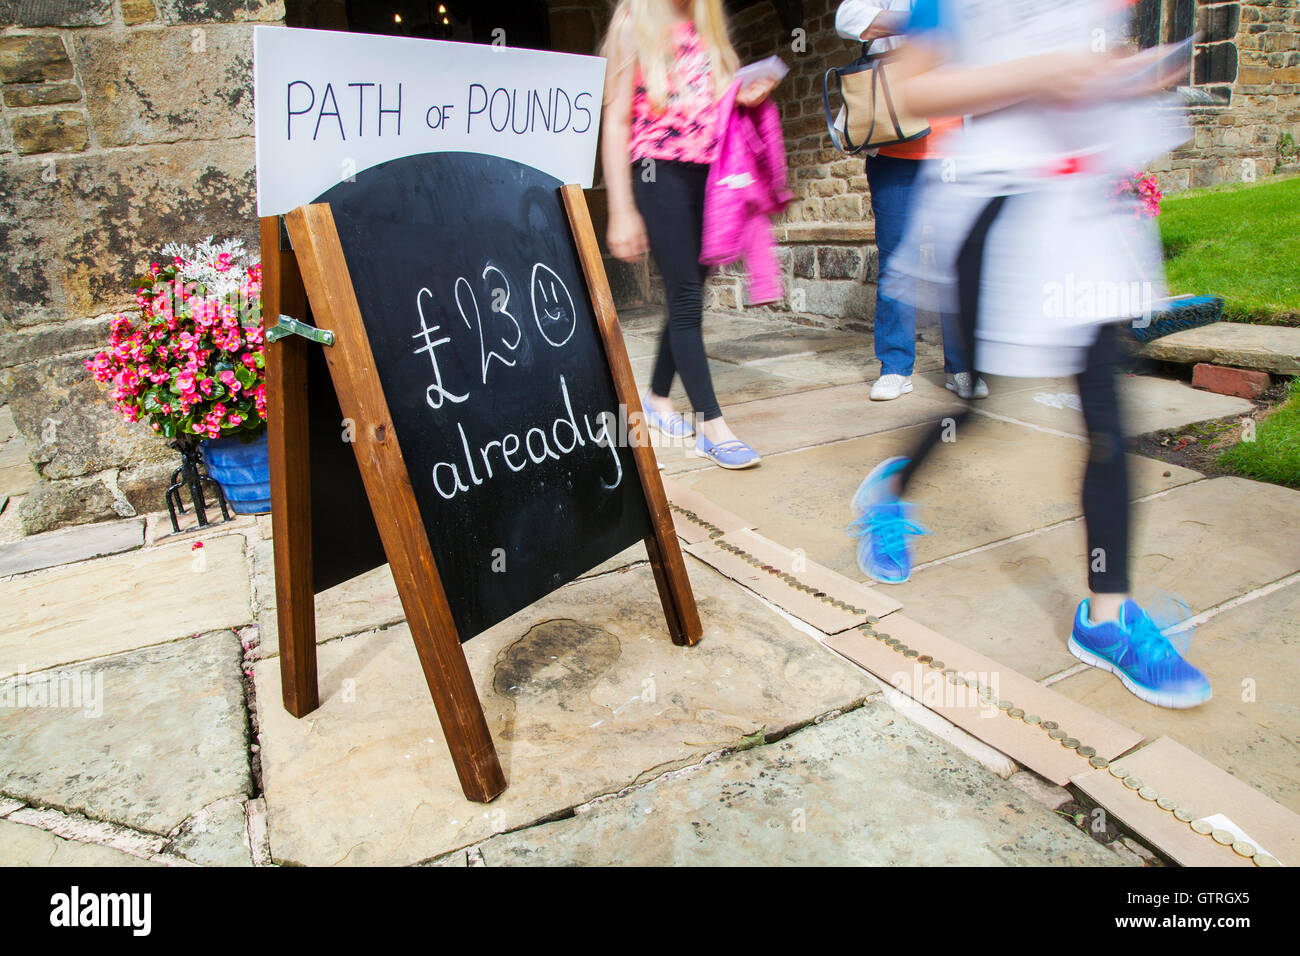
<point>1064,256</point>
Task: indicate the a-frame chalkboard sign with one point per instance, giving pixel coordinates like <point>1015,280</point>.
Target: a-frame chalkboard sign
<point>482,384</point>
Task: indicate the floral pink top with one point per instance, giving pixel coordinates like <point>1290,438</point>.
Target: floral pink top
<point>686,130</point>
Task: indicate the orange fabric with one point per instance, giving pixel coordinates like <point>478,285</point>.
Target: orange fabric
<point>927,147</point>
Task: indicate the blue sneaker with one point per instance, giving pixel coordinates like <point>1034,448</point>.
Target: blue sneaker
<point>673,424</point>
<point>1133,649</point>
<point>883,525</point>
<point>732,454</point>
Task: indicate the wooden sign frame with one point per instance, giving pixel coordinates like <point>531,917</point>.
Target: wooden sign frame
<point>315,271</point>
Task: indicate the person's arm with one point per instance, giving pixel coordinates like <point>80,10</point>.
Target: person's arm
<point>861,20</point>
<point>626,232</point>
<point>928,87</point>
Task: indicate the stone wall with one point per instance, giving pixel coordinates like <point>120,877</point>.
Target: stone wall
<point>1252,62</point>
<point>124,124</point>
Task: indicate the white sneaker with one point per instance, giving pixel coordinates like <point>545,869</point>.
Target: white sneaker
<point>960,383</point>
<point>889,387</point>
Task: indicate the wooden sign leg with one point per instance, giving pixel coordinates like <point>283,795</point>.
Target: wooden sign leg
<point>392,499</point>
<point>290,453</point>
<point>665,553</point>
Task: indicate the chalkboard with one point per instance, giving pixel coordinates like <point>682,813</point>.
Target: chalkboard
<point>486,347</point>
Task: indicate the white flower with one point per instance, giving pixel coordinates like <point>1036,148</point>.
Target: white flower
<point>201,264</point>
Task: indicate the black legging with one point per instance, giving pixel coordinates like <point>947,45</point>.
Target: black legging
<point>1105,479</point>
<point>671,204</point>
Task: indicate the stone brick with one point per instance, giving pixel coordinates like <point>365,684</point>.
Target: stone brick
<point>148,86</point>
<point>804,262</point>
<point>41,94</point>
<point>33,59</point>
<point>1242,382</point>
<point>837,262</point>
<point>63,131</point>
<point>138,11</point>
<point>56,13</point>
<point>145,485</point>
<point>76,239</point>
<point>80,500</point>
<point>69,424</point>
<point>844,208</point>
<point>220,11</point>
<point>19,346</point>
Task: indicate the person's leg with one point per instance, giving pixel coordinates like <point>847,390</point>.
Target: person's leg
<point>885,519</point>
<point>1111,631</point>
<point>673,210</point>
<point>672,207</point>
<point>1105,479</point>
<point>970,268</point>
<point>892,184</point>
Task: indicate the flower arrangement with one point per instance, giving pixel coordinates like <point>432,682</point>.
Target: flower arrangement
<point>190,362</point>
<point>1141,186</point>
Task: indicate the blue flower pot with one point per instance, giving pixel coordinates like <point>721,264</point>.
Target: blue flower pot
<point>242,470</point>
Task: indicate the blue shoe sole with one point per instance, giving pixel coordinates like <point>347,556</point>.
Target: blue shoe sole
<point>1159,698</point>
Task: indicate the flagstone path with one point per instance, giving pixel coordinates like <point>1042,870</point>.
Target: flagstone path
<point>141,718</point>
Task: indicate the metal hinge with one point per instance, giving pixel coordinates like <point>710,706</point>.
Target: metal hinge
<point>291,326</point>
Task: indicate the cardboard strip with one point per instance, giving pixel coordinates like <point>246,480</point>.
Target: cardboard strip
<point>692,532</point>
<point>1198,786</point>
<point>1026,743</point>
<point>816,611</point>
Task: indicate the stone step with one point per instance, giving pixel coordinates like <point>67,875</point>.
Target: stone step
<point>1269,348</point>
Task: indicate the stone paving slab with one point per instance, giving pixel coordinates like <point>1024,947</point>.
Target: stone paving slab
<point>130,600</point>
<point>640,346</point>
<point>731,383</point>
<point>583,692</point>
<point>866,788</point>
<point>7,427</point>
<point>159,734</point>
<point>1249,726</point>
<point>804,419</point>
<point>778,344</point>
<point>215,836</point>
<point>365,603</point>
<point>719,327</point>
<point>1149,404</point>
<point>21,845</point>
<point>1209,541</point>
<point>1270,348</point>
<point>70,545</point>
<point>996,480</point>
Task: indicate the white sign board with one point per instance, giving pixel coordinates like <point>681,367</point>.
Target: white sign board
<point>329,105</point>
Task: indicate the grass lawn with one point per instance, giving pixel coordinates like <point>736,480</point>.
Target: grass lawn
<point>1274,455</point>
<point>1240,241</point>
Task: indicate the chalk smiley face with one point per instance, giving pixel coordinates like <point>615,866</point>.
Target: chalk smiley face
<point>552,305</point>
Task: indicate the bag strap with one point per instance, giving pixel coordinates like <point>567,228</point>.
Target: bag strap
<point>889,103</point>
<point>830,118</point>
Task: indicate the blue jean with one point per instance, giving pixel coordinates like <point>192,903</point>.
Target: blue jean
<point>893,184</point>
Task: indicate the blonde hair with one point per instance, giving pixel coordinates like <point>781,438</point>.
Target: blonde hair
<point>651,24</point>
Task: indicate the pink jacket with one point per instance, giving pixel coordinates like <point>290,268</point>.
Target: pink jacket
<point>746,187</point>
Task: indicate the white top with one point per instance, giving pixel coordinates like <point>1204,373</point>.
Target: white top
<point>854,16</point>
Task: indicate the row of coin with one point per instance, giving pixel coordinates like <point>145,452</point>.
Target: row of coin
<point>1053,730</point>
<point>785,577</point>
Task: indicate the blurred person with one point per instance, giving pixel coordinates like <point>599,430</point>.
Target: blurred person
<point>1030,220</point>
<point>670,62</point>
<point>892,177</point>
